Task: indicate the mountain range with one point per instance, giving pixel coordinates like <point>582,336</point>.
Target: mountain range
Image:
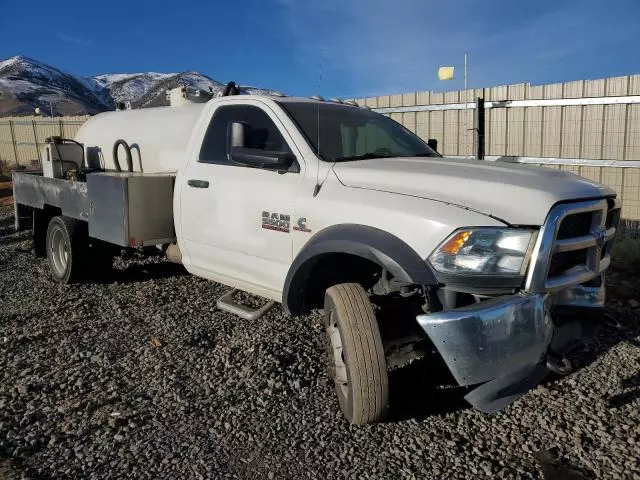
<point>26,84</point>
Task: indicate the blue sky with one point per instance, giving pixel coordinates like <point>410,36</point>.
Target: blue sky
<point>361,47</point>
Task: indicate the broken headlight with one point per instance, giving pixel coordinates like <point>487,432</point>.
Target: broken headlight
<point>502,252</point>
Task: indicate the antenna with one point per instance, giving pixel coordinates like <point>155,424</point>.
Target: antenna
<point>316,189</point>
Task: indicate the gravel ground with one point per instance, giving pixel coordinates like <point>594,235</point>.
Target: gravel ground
<point>141,376</point>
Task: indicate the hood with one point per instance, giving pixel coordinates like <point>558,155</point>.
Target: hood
<point>518,194</point>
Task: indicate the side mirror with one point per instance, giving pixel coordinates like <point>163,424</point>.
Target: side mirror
<point>238,134</point>
<point>433,143</point>
<point>254,157</point>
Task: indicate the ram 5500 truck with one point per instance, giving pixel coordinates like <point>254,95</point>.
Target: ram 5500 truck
<point>325,205</point>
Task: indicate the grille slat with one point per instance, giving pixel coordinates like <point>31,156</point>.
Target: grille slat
<point>575,227</point>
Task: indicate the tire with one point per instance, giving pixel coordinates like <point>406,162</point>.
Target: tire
<point>356,358</point>
<point>67,243</point>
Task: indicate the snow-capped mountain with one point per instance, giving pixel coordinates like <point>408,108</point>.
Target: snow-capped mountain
<point>26,84</point>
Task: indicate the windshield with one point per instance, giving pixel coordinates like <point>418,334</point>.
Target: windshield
<point>349,133</point>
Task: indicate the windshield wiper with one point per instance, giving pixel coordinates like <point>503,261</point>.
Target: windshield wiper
<point>364,156</point>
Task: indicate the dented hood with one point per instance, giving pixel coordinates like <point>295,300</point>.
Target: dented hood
<point>518,194</point>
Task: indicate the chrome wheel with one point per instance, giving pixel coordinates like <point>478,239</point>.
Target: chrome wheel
<point>59,252</point>
<point>337,367</point>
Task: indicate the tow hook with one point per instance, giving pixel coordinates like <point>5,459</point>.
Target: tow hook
<point>559,365</point>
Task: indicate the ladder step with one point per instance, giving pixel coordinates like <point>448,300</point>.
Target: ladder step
<point>226,303</point>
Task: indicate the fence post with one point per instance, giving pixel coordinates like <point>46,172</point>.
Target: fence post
<point>479,128</point>
<point>13,142</point>
<point>35,138</point>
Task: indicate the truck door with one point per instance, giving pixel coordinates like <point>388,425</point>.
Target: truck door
<point>236,221</point>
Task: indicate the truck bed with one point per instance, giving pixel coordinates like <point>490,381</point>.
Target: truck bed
<point>124,208</point>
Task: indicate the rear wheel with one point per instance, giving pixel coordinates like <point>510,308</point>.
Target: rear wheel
<point>356,360</point>
<point>66,244</point>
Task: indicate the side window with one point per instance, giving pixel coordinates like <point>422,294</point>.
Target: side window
<point>264,134</point>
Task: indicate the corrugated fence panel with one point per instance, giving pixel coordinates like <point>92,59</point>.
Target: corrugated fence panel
<point>592,173</point>
<point>533,133</point>
<point>466,133</point>
<point>451,129</point>
<point>631,194</point>
<point>573,89</point>
<point>614,131</point>
<point>551,131</point>
<point>632,139</point>
<point>436,126</point>
<point>592,123</point>
<point>516,131</point>
<point>409,118</point>
<point>496,130</point>
<point>571,131</point>
<point>422,125</point>
<point>29,134</point>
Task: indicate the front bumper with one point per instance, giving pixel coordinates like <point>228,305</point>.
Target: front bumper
<point>507,342</point>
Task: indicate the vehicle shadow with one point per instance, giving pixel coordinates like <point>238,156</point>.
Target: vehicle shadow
<point>632,393</point>
<point>424,388</point>
<point>141,272</point>
<point>616,326</point>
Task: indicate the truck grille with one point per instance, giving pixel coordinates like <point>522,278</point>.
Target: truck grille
<point>574,245</point>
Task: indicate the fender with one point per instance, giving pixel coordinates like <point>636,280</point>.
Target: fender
<point>364,241</point>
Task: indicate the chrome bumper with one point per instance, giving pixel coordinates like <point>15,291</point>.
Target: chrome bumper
<point>506,339</point>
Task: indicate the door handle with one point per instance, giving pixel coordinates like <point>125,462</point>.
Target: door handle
<point>198,183</point>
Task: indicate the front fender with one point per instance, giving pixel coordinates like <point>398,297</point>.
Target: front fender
<point>367,242</point>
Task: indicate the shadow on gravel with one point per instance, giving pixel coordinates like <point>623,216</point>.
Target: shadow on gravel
<point>554,468</point>
<point>143,273</point>
<point>632,385</point>
<point>424,388</point>
<point>618,325</point>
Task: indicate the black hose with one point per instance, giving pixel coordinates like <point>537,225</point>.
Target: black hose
<point>116,161</point>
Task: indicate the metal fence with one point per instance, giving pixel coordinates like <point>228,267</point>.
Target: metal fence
<point>589,127</point>
<point>22,137</point>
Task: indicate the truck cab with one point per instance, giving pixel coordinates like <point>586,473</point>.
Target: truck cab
<point>331,206</point>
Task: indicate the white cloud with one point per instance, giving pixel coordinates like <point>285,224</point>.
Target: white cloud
<point>83,42</point>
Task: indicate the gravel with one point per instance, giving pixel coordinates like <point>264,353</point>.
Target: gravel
<point>141,376</point>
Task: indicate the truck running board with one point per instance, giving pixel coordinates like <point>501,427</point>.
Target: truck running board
<point>226,303</point>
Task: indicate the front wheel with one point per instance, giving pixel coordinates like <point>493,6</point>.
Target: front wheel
<point>356,360</point>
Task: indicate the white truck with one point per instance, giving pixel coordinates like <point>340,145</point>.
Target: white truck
<point>325,205</point>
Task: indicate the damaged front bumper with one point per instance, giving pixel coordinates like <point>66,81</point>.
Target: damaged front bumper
<point>509,344</point>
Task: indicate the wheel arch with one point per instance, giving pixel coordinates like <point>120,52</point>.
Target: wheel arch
<point>365,246</point>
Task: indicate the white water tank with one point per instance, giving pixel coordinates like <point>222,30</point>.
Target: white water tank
<point>158,137</point>
<point>181,96</point>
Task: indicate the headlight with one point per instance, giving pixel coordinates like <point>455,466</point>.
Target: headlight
<point>501,252</point>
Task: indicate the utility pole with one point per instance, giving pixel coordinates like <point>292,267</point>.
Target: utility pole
<point>465,70</point>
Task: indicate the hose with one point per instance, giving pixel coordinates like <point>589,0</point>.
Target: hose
<point>127,149</point>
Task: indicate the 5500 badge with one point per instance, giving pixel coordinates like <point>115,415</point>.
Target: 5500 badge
<point>276,221</point>
<point>281,222</point>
